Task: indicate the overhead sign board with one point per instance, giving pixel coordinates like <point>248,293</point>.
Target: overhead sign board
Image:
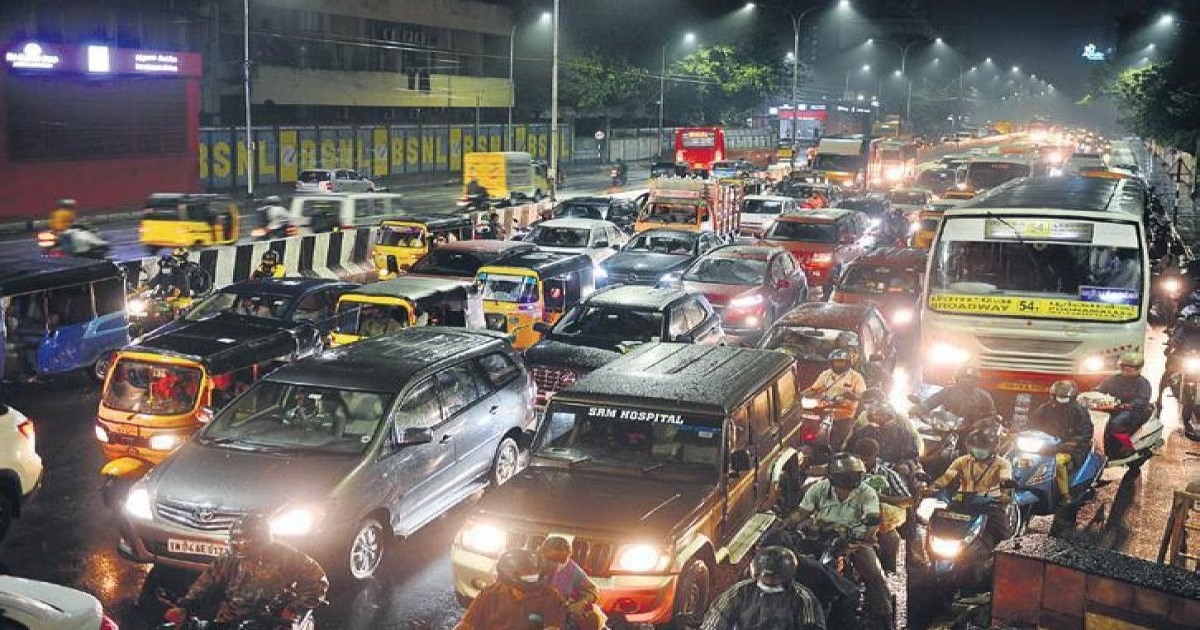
<point>32,56</point>
<point>98,60</point>
<point>1091,53</point>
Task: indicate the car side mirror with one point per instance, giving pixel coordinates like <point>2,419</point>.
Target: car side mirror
<point>542,327</point>
<point>414,435</point>
<point>205,415</point>
<point>739,461</point>
<point>783,283</point>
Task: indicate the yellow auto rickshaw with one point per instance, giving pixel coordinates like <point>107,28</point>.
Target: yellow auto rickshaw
<point>402,242</point>
<point>390,306</point>
<point>525,288</point>
<point>927,225</point>
<point>160,391</point>
<point>184,220</point>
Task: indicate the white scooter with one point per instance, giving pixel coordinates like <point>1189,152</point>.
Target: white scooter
<point>1147,439</point>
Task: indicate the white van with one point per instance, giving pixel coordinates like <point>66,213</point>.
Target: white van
<point>333,212</point>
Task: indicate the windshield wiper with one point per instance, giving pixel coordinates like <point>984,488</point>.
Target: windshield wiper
<point>1008,225</point>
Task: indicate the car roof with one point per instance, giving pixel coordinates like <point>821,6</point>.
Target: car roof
<point>224,342</point>
<point>431,220</point>
<point>673,232</point>
<point>901,257</point>
<point>573,222</point>
<point>637,297</point>
<point>695,377</point>
<point>486,245</point>
<point>291,285</point>
<point>593,200</point>
<point>25,275</point>
<point>418,287</point>
<point>819,216</point>
<point>547,264</point>
<point>755,252</point>
<point>387,363</point>
<point>825,315</point>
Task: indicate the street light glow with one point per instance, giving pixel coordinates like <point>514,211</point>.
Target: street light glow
<point>750,6</point>
<point>844,4</point>
<point>897,73</point>
<point>1167,19</point>
<point>988,60</point>
<point>866,67</point>
<point>870,40</point>
<point>1016,69</point>
<point>689,38</point>
<point>939,40</point>
<point>546,17</point>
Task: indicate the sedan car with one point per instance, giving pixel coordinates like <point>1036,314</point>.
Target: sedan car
<point>333,180</point>
<point>20,465</point>
<point>32,605</point>
<point>811,331</point>
<point>612,322</point>
<point>597,238</point>
<point>749,285</point>
<point>622,212</point>
<point>651,256</point>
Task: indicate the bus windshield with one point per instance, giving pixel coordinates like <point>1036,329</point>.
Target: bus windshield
<point>1079,270</point>
<point>982,175</point>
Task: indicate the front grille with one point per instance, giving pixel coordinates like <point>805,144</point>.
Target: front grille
<point>205,518</point>
<point>1028,346</point>
<point>496,321</point>
<point>551,380</point>
<point>595,557</point>
<point>1027,355</point>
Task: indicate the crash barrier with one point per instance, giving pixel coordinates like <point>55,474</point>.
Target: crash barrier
<point>515,216</point>
<point>341,254</point>
<point>1045,582</point>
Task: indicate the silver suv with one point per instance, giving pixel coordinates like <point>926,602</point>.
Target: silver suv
<point>317,180</point>
<point>342,451</point>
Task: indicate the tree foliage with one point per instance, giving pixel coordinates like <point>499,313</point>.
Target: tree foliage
<point>720,85</point>
<point>597,85</point>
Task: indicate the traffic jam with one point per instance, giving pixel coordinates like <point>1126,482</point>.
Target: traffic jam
<point>863,371</point>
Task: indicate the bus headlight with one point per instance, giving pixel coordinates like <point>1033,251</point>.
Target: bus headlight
<point>1191,364</point>
<point>947,354</point>
<point>1094,363</point>
<point>640,558</point>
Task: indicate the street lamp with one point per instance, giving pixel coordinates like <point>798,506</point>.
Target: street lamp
<point>866,68</point>
<point>512,50</point>
<point>246,87</point>
<point>1167,19</point>
<point>688,38</point>
<point>553,171</point>
<point>904,49</point>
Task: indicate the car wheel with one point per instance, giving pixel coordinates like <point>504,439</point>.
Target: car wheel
<point>692,594</point>
<point>507,461</point>
<point>366,549</point>
<point>7,510</point>
<point>100,367</point>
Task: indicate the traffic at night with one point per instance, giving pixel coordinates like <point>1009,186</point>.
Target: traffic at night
<point>602,314</point>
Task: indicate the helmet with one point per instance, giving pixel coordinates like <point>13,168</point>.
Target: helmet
<point>881,411</point>
<point>270,257</point>
<point>520,568</point>
<point>1133,359</point>
<point>273,199</point>
<point>167,260</point>
<point>1064,389</point>
<point>845,471</point>
<point>982,440</point>
<point>967,374</point>
<point>252,532</point>
<point>181,254</point>
<point>839,360</point>
<point>776,564</point>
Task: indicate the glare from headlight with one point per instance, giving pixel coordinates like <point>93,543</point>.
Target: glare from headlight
<point>1093,364</point>
<point>165,442</point>
<point>902,317</point>
<point>945,548</point>
<point>137,504</point>
<point>601,273</point>
<point>136,307</point>
<point>945,353</point>
<point>809,403</point>
<point>747,300</point>
<point>483,538</point>
<point>639,558</point>
<point>294,522</point>
<point>101,434</point>
<point>1030,444</point>
<point>1171,285</point>
<point>1192,364</point>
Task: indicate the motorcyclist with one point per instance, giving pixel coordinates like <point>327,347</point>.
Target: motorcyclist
<point>198,281</point>
<point>844,500</point>
<point>842,386</point>
<point>171,281</point>
<point>270,266</point>
<point>771,599</point>
<point>277,216</point>
<point>63,215</point>
<point>896,436</point>
<point>893,491</point>
<point>622,172</point>
<point>1064,418</point>
<point>572,583</point>
<point>895,226</point>
<point>1133,393</point>
<point>81,239</point>
<point>255,571</point>
<point>983,473</point>
<point>1183,341</point>
<point>964,399</point>
<point>519,595</point>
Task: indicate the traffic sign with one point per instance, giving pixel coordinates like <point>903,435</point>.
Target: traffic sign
<point>599,135</point>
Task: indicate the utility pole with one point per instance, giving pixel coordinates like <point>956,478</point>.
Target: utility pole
<point>246,87</point>
<point>554,111</point>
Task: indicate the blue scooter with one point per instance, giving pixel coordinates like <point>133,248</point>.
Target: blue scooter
<point>1036,493</point>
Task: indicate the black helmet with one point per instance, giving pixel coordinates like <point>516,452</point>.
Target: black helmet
<point>167,260</point>
<point>845,471</point>
<point>520,568</point>
<point>181,254</point>
<point>1064,389</point>
<point>777,564</point>
<point>252,532</point>
<point>270,257</point>
<point>983,440</point>
<point>967,374</point>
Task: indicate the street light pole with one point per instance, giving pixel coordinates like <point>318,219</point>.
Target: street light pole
<point>512,88</point>
<point>246,87</point>
<point>554,111</point>
<point>662,97</point>
<point>795,73</point>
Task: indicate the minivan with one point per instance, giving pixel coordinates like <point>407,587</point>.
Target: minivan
<point>333,180</point>
<point>342,451</point>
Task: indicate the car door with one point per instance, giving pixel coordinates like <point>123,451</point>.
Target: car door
<point>501,403</point>
<point>778,289</point>
<point>413,475</point>
<point>704,325</point>
<point>797,290</point>
<point>341,181</point>
<point>467,417</point>
<point>881,339</point>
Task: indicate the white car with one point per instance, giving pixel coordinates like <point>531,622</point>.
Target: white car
<point>45,606</point>
<point>597,238</point>
<point>760,211</point>
<point>20,466</point>
<point>323,180</point>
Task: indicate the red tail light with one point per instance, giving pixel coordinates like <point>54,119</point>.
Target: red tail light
<point>26,429</point>
<point>107,623</point>
<point>808,437</point>
<point>327,186</point>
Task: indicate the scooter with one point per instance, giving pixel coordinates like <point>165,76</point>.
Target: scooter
<point>1145,440</point>
<point>1036,493</point>
<point>959,553</point>
<point>816,421</point>
<point>940,433</point>
<point>266,619</point>
<point>80,240</point>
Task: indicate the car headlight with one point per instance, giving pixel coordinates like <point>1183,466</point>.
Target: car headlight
<point>809,403</point>
<point>902,317</point>
<point>1030,444</point>
<point>640,558</point>
<point>1191,364</point>
<point>948,354</point>
<point>137,504</point>
<point>484,538</point>
<point>747,301</point>
<point>165,441</point>
<point>295,521</point>
<point>101,434</point>
<point>1171,285</point>
<point>945,548</point>
<point>136,307</point>
<point>1094,363</point>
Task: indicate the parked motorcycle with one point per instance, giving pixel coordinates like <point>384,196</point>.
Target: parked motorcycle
<point>1036,493</point>
<point>1146,438</point>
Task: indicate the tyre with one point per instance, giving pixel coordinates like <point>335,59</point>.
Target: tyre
<point>8,510</point>
<point>692,594</point>
<point>99,369</point>
<point>507,461</point>
<point>365,552</point>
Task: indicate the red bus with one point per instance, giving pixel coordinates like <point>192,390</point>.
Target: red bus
<point>699,147</point>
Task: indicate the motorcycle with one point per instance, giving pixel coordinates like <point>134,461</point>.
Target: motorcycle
<point>268,618</point>
<point>1036,493</point>
<point>1145,440</point>
<point>959,553</point>
<point>944,436</point>
<point>617,177</point>
<point>478,202</point>
<point>80,240</point>
<point>1164,301</point>
<point>816,422</point>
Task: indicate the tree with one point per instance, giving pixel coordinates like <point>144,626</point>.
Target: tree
<point>595,85</point>
<point>721,85</point>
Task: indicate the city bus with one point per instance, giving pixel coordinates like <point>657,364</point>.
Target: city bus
<point>1038,280</point>
<point>980,174</point>
<point>699,147</point>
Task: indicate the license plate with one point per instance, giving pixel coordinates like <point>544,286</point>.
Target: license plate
<point>196,547</point>
<point>955,516</point>
<point>1020,387</point>
<point>123,429</point>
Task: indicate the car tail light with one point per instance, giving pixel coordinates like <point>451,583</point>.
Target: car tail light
<point>327,186</point>
<point>26,429</point>
<point>822,259</point>
<point>107,623</point>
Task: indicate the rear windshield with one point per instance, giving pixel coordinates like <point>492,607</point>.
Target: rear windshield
<point>161,212</point>
<point>501,287</point>
<point>370,320</point>
<point>312,177</point>
<point>579,211</point>
<point>447,262</point>
<point>402,236</point>
<point>808,232</point>
<point>152,388</point>
<point>762,206</point>
<point>907,198</point>
<point>879,280</point>
<point>314,207</point>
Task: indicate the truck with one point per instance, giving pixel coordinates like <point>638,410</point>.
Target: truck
<point>850,161</point>
<point>505,175</point>
<point>694,205</point>
<point>897,164</point>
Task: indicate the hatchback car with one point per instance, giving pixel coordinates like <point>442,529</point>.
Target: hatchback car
<point>20,465</point>
<point>811,331</point>
<point>890,279</point>
<point>612,322</point>
<point>622,212</point>
<point>333,180</point>
<point>749,285</point>
<point>597,238</point>
<point>651,256</point>
<point>343,451</point>
<point>824,242</point>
